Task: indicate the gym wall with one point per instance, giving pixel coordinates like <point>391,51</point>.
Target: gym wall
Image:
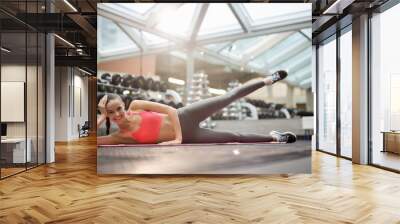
<point>130,65</point>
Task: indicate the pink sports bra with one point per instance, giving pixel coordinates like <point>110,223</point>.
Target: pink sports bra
<point>149,129</point>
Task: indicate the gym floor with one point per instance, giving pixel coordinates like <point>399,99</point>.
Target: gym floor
<point>70,191</point>
<point>233,158</point>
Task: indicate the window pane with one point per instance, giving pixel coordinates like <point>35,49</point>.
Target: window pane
<point>346,94</point>
<point>262,11</point>
<point>327,97</point>
<point>219,18</point>
<point>298,67</point>
<point>177,22</point>
<point>238,48</point>
<point>385,88</point>
<point>152,39</point>
<point>112,38</point>
<point>141,8</point>
<point>218,46</point>
<point>288,47</point>
<point>14,154</point>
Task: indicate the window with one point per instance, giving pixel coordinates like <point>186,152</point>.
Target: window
<point>177,22</point>
<point>22,65</point>
<point>263,12</point>
<point>346,94</point>
<point>327,96</point>
<point>385,89</point>
<point>219,18</point>
<point>112,38</point>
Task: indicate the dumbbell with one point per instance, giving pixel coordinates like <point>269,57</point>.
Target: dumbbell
<point>110,89</point>
<point>122,91</point>
<point>127,80</point>
<point>148,84</point>
<point>126,92</point>
<point>171,104</point>
<point>141,81</point>
<point>100,85</point>
<point>116,79</point>
<point>163,87</point>
<point>119,90</point>
<point>156,86</point>
<point>106,77</point>
<point>278,106</point>
<point>135,82</point>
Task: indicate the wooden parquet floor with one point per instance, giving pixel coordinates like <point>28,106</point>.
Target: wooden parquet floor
<point>70,191</point>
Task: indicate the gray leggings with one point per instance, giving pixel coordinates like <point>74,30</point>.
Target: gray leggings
<point>191,115</point>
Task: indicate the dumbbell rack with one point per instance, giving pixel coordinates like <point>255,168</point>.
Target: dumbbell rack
<point>234,111</point>
<point>270,110</point>
<point>199,91</point>
<point>131,87</point>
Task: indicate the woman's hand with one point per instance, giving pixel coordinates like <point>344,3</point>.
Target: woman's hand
<point>102,106</point>
<point>172,142</point>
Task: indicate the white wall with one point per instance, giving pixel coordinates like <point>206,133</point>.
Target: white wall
<point>69,85</point>
<point>80,100</point>
<point>33,127</point>
<point>17,73</point>
<point>61,103</point>
<point>14,73</point>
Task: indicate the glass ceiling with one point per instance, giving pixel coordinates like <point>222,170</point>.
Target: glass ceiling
<point>148,38</point>
<point>267,57</point>
<point>112,38</point>
<point>218,46</point>
<point>141,8</point>
<point>237,48</point>
<point>296,62</point>
<point>262,12</point>
<point>152,39</point>
<point>219,33</point>
<point>219,18</point>
<point>177,21</point>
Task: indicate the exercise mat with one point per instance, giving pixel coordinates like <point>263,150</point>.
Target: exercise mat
<point>220,158</point>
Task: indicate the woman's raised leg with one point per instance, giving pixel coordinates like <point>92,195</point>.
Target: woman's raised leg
<point>200,110</point>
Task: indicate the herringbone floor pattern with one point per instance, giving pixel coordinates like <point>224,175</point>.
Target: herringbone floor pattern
<point>70,191</point>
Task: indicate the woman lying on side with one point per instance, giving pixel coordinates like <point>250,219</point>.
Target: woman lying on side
<point>148,122</point>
